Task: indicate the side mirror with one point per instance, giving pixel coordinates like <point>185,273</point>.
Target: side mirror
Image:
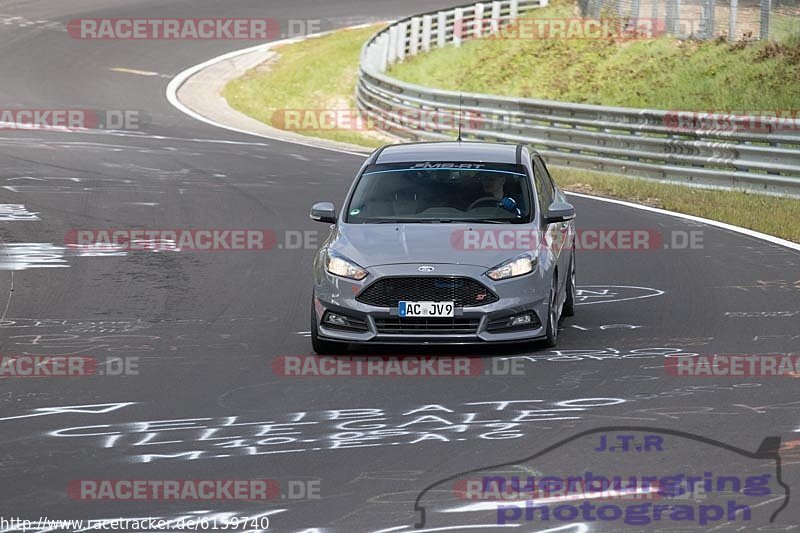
<point>560,212</point>
<point>323,212</point>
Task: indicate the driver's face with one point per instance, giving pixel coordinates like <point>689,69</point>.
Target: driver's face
<point>493,185</point>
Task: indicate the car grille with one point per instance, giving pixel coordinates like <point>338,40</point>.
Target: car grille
<point>464,292</point>
<point>427,326</point>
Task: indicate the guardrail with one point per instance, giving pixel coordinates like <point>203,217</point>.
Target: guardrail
<point>642,142</point>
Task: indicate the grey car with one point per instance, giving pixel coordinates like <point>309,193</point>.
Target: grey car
<point>445,242</point>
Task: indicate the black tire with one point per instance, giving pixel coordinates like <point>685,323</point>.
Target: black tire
<point>569,302</point>
<point>320,346</point>
<point>551,333</point>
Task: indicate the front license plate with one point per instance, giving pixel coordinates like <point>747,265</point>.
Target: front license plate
<point>432,309</point>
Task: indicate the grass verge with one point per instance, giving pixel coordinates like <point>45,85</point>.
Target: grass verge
<point>315,74</point>
<point>760,212</point>
<point>660,73</point>
<point>321,74</point>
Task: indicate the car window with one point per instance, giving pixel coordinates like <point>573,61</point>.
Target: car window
<point>441,192</point>
<point>548,178</point>
<point>544,190</point>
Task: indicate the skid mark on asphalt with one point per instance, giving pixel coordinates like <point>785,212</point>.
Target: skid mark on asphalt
<point>160,181</point>
<point>61,336</point>
<point>764,285</point>
<point>762,314</point>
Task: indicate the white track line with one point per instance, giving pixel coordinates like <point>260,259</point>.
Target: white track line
<point>176,83</point>
<point>716,223</point>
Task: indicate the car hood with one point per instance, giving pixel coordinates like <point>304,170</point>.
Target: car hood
<point>386,244</point>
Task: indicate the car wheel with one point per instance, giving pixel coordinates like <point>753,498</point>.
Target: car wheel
<point>320,346</point>
<point>569,301</point>
<point>551,333</point>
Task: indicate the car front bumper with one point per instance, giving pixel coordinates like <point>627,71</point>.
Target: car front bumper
<point>517,296</point>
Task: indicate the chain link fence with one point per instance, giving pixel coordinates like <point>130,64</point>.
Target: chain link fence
<point>708,19</point>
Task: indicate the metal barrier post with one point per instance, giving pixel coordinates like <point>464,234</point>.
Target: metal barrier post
<point>441,29</point>
<point>766,8</point>
<point>458,26</point>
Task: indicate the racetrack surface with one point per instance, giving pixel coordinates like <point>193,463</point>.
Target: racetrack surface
<point>206,326</point>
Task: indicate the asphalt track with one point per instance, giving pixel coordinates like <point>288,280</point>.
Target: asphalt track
<point>206,326</point>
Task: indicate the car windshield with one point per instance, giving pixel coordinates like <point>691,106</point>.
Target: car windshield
<point>441,192</point>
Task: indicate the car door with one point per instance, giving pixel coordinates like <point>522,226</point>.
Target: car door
<point>558,237</point>
<point>546,238</point>
<point>567,228</point>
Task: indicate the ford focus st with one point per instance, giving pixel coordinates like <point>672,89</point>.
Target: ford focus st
<point>448,242</point>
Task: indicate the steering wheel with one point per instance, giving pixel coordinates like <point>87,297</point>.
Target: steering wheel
<point>483,200</point>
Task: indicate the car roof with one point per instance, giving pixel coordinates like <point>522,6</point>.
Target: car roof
<point>449,151</point>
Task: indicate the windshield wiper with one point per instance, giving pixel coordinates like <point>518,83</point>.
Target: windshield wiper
<point>448,220</point>
<point>484,221</point>
<point>440,221</point>
<point>409,221</point>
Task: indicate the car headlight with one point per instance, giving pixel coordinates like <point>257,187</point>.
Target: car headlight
<point>512,268</point>
<point>339,266</point>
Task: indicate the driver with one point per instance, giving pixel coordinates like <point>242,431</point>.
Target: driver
<point>493,186</point>
<point>493,191</point>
